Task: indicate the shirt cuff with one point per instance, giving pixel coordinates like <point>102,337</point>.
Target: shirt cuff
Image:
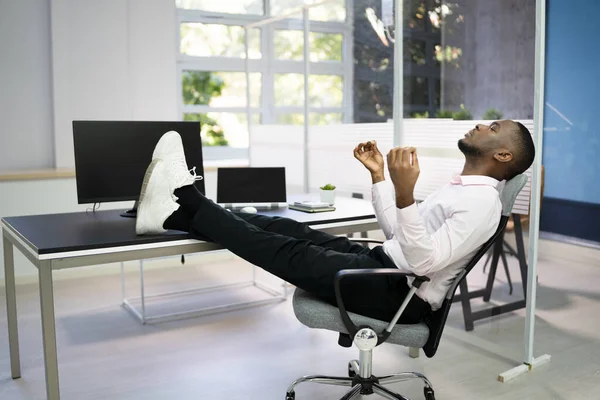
<point>379,186</point>
<point>408,215</point>
<point>378,190</point>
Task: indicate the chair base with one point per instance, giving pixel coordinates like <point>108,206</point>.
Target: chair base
<point>364,385</point>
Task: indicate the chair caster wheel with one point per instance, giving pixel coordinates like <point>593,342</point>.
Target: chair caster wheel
<point>290,396</point>
<point>428,392</point>
<point>351,372</point>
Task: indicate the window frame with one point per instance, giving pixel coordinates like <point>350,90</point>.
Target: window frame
<point>268,65</point>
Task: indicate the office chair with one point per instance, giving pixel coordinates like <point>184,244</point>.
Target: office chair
<point>368,333</point>
<point>507,248</point>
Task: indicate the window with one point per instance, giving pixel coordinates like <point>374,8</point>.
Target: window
<point>414,51</point>
<point>334,11</point>
<point>214,40</point>
<point>323,90</point>
<point>219,89</point>
<point>212,59</point>
<point>416,90</point>
<point>218,6</point>
<point>315,118</point>
<point>289,45</point>
<point>213,126</point>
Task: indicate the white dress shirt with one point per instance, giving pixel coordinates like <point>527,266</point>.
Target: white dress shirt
<point>439,236</point>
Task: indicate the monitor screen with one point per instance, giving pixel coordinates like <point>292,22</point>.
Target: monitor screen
<point>251,185</point>
<point>111,157</point>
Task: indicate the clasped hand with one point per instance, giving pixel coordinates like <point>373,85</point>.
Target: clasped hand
<point>403,166</point>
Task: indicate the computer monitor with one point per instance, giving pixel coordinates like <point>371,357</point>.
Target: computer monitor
<point>251,185</point>
<point>111,157</point>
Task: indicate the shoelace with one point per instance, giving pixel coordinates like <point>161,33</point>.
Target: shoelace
<point>196,177</point>
<point>179,166</point>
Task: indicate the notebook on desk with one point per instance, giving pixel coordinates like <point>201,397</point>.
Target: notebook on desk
<point>311,206</point>
<point>263,188</point>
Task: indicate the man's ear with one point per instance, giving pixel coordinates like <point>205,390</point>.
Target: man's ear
<point>503,155</point>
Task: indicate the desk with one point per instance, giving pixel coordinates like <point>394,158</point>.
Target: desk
<point>60,241</point>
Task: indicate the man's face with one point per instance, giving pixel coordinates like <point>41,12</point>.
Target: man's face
<point>487,139</point>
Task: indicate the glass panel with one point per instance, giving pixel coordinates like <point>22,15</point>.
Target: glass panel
<point>460,79</point>
<point>414,14</point>
<point>373,83</point>
<point>414,51</point>
<point>324,90</point>
<point>231,7</point>
<point>334,11</point>
<point>373,101</point>
<point>289,45</point>
<point>369,57</point>
<point>416,91</point>
<point>220,89</point>
<point>223,129</point>
<point>290,119</point>
<point>448,16</point>
<point>437,92</point>
<point>449,55</point>
<point>423,58</point>
<point>325,119</point>
<point>315,118</point>
<point>214,40</point>
<point>289,90</point>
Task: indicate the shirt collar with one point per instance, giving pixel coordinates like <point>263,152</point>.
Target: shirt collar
<point>474,180</point>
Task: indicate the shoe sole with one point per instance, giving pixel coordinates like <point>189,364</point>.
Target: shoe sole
<point>147,176</point>
<point>145,182</point>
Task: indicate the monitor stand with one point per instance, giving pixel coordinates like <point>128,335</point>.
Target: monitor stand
<point>132,213</point>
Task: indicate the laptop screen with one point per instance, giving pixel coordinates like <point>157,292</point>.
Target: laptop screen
<point>251,185</point>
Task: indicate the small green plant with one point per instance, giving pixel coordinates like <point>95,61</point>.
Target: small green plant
<point>417,114</point>
<point>492,115</point>
<point>329,186</point>
<point>443,114</point>
<point>462,114</point>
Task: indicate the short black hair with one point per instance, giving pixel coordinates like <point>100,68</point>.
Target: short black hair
<point>524,149</point>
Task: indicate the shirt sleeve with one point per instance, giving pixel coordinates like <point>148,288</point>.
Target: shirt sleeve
<point>384,204</point>
<point>469,227</point>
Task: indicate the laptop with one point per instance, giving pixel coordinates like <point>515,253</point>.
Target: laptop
<point>262,188</point>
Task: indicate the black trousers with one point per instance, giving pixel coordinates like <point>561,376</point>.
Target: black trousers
<point>309,259</point>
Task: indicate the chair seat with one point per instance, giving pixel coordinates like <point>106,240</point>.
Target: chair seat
<point>316,313</point>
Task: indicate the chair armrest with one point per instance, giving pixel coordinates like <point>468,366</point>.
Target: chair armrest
<point>353,329</point>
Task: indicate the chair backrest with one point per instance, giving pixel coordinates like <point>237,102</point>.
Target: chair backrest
<point>437,320</point>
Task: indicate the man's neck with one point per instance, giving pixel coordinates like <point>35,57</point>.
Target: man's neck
<point>475,167</point>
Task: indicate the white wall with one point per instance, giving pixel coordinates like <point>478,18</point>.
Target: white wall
<point>112,60</point>
<point>62,60</point>
<point>56,196</point>
<point>26,140</point>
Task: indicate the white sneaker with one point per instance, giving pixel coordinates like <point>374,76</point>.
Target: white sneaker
<point>169,146</point>
<point>156,202</point>
<point>170,150</point>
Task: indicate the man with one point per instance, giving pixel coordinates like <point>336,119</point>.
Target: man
<point>435,238</point>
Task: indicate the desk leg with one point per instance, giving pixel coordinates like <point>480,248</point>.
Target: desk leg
<point>48,330</point>
<point>11,308</point>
